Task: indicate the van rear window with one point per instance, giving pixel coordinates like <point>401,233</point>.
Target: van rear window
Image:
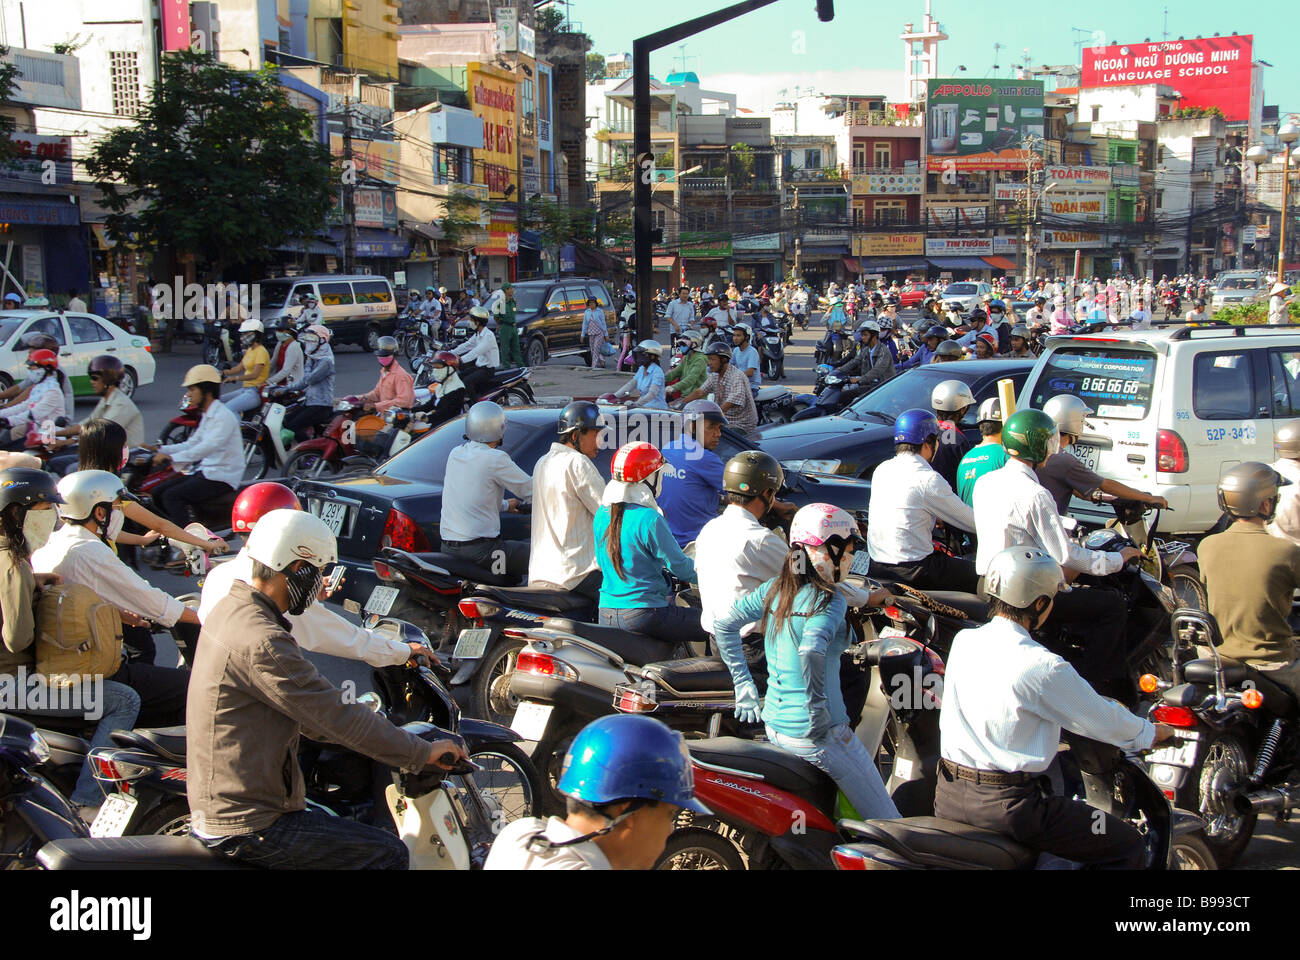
<point>1117,384</point>
<point>372,291</point>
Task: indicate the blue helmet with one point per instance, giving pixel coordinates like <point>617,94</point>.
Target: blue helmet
<point>915,426</point>
<point>999,304</point>
<point>624,757</point>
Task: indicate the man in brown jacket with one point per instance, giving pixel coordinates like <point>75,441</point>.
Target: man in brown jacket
<point>251,693</point>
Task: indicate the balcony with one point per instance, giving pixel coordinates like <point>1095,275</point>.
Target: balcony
<point>45,79</point>
<point>704,184</point>
<point>815,174</point>
<point>881,123</point>
<point>543,130</point>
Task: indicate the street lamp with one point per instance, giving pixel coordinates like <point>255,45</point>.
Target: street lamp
<point>1288,133</point>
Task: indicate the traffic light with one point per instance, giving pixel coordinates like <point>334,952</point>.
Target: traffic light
<point>825,10</point>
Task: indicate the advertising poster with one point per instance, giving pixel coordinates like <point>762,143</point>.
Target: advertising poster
<point>1208,72</point>
<point>981,124</point>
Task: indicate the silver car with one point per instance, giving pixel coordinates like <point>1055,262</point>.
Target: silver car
<point>1237,289</point>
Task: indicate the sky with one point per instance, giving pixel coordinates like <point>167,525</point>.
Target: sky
<point>785,46</point>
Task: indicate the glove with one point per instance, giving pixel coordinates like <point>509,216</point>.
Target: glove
<point>747,703</point>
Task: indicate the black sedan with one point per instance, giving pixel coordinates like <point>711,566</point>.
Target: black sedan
<point>400,505</point>
<point>861,437</point>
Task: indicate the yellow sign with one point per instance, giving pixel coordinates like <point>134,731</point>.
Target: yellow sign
<point>373,158</point>
<point>492,100</point>
<point>888,245</point>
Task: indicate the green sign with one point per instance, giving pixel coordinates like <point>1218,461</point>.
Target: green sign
<point>703,245</point>
<point>981,124</point>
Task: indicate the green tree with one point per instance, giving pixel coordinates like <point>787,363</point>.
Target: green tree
<point>8,83</point>
<point>595,67</point>
<point>219,165</point>
<point>461,217</point>
<point>550,20</point>
<point>556,223</point>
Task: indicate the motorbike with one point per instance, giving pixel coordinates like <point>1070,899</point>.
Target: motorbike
<point>775,404</point>
<point>334,451</point>
<point>1173,302</point>
<point>264,436</point>
<point>771,349</point>
<point>1172,562</point>
<point>180,427</point>
<point>221,342</point>
<point>35,811</point>
<point>828,398</point>
<point>141,478</point>
<point>833,348</point>
<point>1237,754</point>
<point>417,335</point>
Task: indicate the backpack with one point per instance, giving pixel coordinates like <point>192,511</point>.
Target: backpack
<point>77,632</point>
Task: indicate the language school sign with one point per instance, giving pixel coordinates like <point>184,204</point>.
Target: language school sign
<point>1213,71</point>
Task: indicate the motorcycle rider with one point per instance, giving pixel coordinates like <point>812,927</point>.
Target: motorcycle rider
<point>692,482</point>
<point>986,346</point>
<point>1197,314</point>
<point>634,546</point>
<point>744,357</point>
<point>318,628</point>
<point>731,389</point>
<point>1019,340</point>
<point>625,780</point>
<point>471,511</point>
<point>1064,474</point>
<point>1141,316</point>
<point>447,387</point>
<point>308,312</point>
<point>1013,509</point>
<point>930,341</point>
<point>872,365</point>
<point>288,359</point>
<point>481,349</point>
<point>1286,444</point>
<point>1006,699</point>
<point>648,383</point>
<point>254,691</point>
<point>950,400</point>
<point>691,370</point>
<point>19,392</point>
<point>988,454</point>
<point>907,498</point>
<point>802,617</point>
<point>395,387</point>
<point>567,489</point>
<point>252,370</point>
<point>1250,577</point>
<point>44,402</point>
<point>317,380</point>
<point>722,314</point>
<point>105,374</point>
<point>1037,315</point>
<point>210,462</point>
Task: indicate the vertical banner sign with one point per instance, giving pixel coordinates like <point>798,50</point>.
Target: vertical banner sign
<point>175,24</point>
<point>507,35</point>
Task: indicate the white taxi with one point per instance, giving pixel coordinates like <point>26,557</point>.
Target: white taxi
<point>81,338</point>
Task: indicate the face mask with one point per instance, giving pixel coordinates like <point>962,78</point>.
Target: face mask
<point>385,361</point>
<point>246,341</point>
<point>38,374</point>
<point>440,373</point>
<point>115,521</point>
<point>37,527</point>
<point>282,336</point>
<point>304,587</point>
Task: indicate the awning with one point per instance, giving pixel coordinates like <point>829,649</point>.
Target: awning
<point>1000,263</point>
<point>657,264</point>
<point>886,264</point>
<point>959,263</point>
<point>311,246</point>
<point>429,231</point>
<point>530,239</point>
<point>832,252</point>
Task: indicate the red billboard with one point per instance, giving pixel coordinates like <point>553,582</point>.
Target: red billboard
<point>1209,72</point>
<point>175,24</point>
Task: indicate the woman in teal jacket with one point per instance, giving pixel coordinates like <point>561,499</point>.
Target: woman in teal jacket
<point>804,636</point>
<point>634,548</point>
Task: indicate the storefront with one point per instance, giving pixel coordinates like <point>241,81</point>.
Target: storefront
<point>890,256</point>
<point>495,261</point>
<point>756,259</point>
<point>706,259</point>
<point>822,264</point>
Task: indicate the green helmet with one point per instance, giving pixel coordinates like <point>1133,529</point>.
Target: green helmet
<point>751,472</point>
<point>1027,435</point>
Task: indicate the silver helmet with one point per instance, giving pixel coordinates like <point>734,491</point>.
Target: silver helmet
<point>485,422</point>
<point>1020,575</point>
<point>951,396</point>
<point>1069,412</point>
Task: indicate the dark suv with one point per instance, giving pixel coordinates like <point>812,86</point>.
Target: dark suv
<point>549,315</point>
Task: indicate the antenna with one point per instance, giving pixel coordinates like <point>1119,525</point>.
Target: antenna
<point>1165,29</point>
<point>996,48</point>
<point>1082,36</point>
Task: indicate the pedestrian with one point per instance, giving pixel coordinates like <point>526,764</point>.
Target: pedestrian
<point>595,328</point>
<point>507,331</point>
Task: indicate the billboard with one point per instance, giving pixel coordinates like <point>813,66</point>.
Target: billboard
<point>1076,178</point>
<point>959,246</point>
<point>1208,72</point>
<point>888,245</point>
<point>980,124</point>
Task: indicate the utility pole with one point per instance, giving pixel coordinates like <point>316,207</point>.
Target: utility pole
<point>798,237</point>
<point>349,193</point>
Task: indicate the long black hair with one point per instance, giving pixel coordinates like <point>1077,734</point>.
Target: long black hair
<point>797,572</point>
<point>614,537</point>
<point>100,444</point>
<point>11,531</point>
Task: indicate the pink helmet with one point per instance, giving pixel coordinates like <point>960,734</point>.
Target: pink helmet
<point>825,532</point>
<point>321,331</point>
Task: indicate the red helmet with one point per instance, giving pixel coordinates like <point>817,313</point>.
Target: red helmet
<point>447,357</point>
<point>636,461</point>
<point>258,500</point>
<point>43,358</point>
<point>990,339</point>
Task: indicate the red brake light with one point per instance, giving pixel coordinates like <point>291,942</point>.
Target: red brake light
<point>469,610</point>
<point>846,858</point>
<point>402,532</point>
<point>539,663</point>
<point>893,613</point>
<point>1174,716</point>
<point>382,570</point>
<point>1171,452</point>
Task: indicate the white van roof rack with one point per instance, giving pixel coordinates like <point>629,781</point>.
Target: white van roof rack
<point>1227,330</point>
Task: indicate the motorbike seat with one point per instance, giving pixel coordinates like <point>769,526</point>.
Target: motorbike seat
<point>967,603</point>
<point>693,675</point>
<point>946,844</point>
<point>166,742</point>
<point>504,374</point>
<point>768,394</point>
<point>462,569</point>
<point>134,853</point>
<point>64,742</point>
<point>545,599</point>
<point>637,649</point>
<point>776,766</point>
<point>1279,699</point>
<point>72,726</point>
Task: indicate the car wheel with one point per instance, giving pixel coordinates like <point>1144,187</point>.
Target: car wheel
<point>371,343</point>
<point>536,355</point>
<point>128,383</point>
<point>6,381</point>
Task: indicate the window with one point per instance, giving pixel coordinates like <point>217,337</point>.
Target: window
<point>1116,383</point>
<point>48,325</point>
<point>597,290</point>
<point>1284,367</point>
<point>577,297</point>
<point>555,303</point>
<point>890,211</point>
<point>372,291</point>
<point>124,74</point>
<point>526,98</point>
<point>544,100</point>
<point>859,212</point>
<point>812,159</point>
<point>1096,114</point>
<point>882,153</point>
<point>86,330</point>
<point>1160,199</point>
<point>336,294</point>
<point>859,157</point>
<point>660,216</point>
<point>1223,387</point>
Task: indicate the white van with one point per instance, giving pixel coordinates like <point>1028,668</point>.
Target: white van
<point>358,309</point>
<point>1174,408</point>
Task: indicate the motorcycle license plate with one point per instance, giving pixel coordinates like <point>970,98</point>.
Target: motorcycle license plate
<point>334,515</point>
<point>861,562</point>
<point>530,720</point>
<point>381,601</point>
<point>1086,455</point>
<point>1182,755</point>
<point>471,643</point>
<point>113,816</point>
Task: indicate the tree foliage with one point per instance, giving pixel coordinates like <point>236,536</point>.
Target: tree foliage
<point>8,83</point>
<point>219,165</point>
<point>595,67</point>
<point>460,218</point>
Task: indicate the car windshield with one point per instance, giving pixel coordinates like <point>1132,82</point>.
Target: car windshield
<point>891,398</point>
<point>273,293</point>
<point>960,288</point>
<point>529,299</point>
<point>1117,384</point>
<point>1239,283</point>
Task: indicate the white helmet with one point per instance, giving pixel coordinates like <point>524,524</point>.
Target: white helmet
<point>1020,575</point>
<point>869,325</point>
<point>485,422</point>
<point>650,346</point>
<point>990,411</point>
<point>252,326</point>
<point>825,532</point>
<point>1068,411</point>
<point>951,396</point>
<point>283,536</point>
<point>743,328</point>
<point>86,489</point>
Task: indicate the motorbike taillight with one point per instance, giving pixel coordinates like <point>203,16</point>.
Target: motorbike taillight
<point>635,697</point>
<point>543,665</point>
<point>847,858</point>
<point>470,611</point>
<point>1174,716</point>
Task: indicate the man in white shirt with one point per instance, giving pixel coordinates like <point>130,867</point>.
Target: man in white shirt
<point>1013,509</point>
<point>567,489</point>
<point>907,497</point>
<point>1005,701</point>
<point>210,463</point>
<point>722,314</point>
<point>75,303</point>
<point>1141,316</point>
<point>470,527</point>
<point>680,313</point>
<point>481,348</point>
<point>1286,519</point>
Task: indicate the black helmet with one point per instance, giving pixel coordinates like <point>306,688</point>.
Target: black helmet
<point>108,367</point>
<point>1244,488</point>
<point>751,472</point>
<point>579,415</point>
<point>26,485</point>
<point>718,349</point>
<point>386,347</point>
<point>39,341</point>
<point>936,331</point>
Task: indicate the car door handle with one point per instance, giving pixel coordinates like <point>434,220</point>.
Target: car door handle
<point>110,349</point>
<point>66,353</point>
<point>1136,458</point>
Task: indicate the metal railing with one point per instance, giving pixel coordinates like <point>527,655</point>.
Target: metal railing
<point>815,174</point>
<point>878,118</point>
<point>543,129</point>
<point>704,184</point>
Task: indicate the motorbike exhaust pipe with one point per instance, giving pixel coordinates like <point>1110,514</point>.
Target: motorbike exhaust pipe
<point>1271,800</point>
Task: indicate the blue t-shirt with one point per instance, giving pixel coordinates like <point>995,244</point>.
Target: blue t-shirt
<point>692,488</point>
<point>745,359</point>
<point>648,550</point>
<point>650,381</point>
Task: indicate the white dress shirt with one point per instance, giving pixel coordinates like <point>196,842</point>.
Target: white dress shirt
<point>1013,509</point>
<point>78,556</point>
<point>482,349</point>
<point>1286,521</point>
<point>318,628</point>
<point>471,507</point>
<point>1006,698</point>
<point>723,317</point>
<point>216,446</point>
<point>566,495</point>
<point>734,553</point>
<point>907,497</point>
<point>683,314</point>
